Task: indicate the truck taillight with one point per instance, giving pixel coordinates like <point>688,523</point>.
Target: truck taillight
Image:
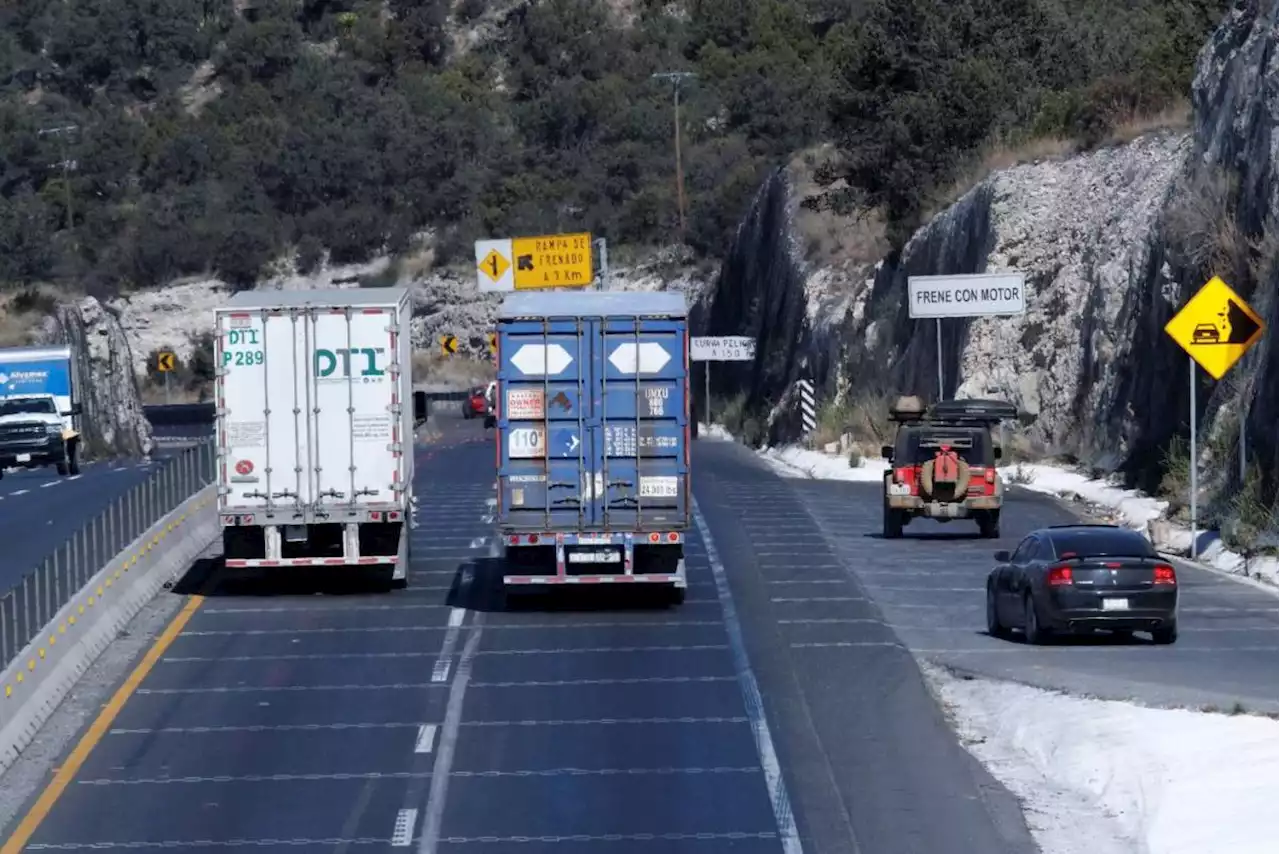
<point>991,475</point>
<point>533,539</point>
<point>898,476</point>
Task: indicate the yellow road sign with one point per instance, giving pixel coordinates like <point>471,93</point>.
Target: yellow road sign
<point>494,265</point>
<point>448,345</point>
<point>553,261</point>
<point>1216,327</point>
<point>166,362</point>
<point>493,342</point>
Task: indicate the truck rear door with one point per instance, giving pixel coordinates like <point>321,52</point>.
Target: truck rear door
<point>306,404</point>
<point>639,424</point>
<point>543,403</point>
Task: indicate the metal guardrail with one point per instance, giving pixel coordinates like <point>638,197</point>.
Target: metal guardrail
<point>29,607</point>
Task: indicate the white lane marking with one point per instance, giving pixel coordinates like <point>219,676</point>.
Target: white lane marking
<point>402,833</point>
<point>818,599</point>
<point>777,787</point>
<point>440,672</point>
<point>479,542</point>
<point>426,739</point>
<point>20,492</point>
<point>440,771</point>
<point>75,477</point>
<point>49,484</point>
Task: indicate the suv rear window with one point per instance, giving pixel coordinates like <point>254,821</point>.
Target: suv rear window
<point>1105,542</point>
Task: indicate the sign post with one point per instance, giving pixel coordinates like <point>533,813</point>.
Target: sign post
<point>532,263</point>
<point>729,348</point>
<point>165,364</point>
<point>1215,328</point>
<point>978,295</point>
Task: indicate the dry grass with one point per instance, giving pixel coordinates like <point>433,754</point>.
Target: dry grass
<point>455,372</point>
<point>830,238</point>
<point>1176,116</point>
<point>1201,224</point>
<point>23,311</point>
<point>995,157</point>
<point>153,393</point>
<point>863,418</point>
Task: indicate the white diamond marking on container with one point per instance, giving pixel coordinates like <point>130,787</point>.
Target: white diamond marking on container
<point>651,357</point>
<point>541,359</point>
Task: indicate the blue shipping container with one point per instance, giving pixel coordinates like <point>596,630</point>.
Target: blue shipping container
<point>593,414</point>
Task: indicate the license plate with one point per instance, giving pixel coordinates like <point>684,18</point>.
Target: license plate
<point>899,489</point>
<point>1115,604</point>
<point>594,557</point>
<point>23,458</point>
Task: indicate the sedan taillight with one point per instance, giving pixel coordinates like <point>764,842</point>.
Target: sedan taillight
<point>1164,574</point>
<point>1059,576</point>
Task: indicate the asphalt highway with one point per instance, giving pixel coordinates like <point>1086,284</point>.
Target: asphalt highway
<point>762,715</point>
<point>930,587</point>
<point>39,510</point>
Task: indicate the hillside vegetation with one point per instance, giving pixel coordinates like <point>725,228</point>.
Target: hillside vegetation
<point>214,135</point>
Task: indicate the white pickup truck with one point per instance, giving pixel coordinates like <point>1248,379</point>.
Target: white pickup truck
<point>39,411</point>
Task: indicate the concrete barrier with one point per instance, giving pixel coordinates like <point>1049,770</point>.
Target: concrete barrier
<point>37,681</point>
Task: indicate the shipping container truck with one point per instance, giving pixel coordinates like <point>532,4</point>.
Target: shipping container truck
<point>315,429</point>
<point>39,409</point>
<point>592,438</point>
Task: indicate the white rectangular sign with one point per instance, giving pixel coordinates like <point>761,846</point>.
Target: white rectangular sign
<point>525,403</point>
<point>661,486</point>
<point>729,348</point>
<point>526,443</point>
<point>980,295</point>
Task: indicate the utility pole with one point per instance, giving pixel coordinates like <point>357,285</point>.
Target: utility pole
<point>676,79</point>
<point>67,166</point>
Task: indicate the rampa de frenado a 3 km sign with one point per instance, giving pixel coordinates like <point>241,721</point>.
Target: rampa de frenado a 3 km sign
<point>977,295</point>
<point>531,263</point>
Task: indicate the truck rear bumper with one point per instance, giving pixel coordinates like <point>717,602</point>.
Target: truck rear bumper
<point>338,544</point>
<point>944,509</point>
<point>595,558</point>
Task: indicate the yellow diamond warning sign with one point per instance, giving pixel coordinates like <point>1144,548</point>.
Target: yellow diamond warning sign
<point>1216,327</point>
<point>494,265</point>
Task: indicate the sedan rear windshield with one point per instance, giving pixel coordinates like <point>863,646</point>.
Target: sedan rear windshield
<point>1105,543</point>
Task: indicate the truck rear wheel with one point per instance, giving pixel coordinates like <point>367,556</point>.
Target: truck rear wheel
<point>892,524</point>
<point>989,524</point>
<point>73,458</point>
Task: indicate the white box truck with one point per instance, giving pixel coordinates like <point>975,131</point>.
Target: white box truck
<point>315,429</point>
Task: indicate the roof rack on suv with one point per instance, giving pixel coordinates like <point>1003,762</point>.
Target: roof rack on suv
<point>972,412</point>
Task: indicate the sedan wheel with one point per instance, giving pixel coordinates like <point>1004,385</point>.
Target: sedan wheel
<point>1031,627</point>
<point>994,627</point>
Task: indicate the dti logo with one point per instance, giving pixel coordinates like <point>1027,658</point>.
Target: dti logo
<point>365,359</point>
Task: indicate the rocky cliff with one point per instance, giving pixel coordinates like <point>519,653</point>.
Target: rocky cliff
<point>1237,133</point>
<point>114,424</point>
<point>1112,242</point>
<point>447,301</point>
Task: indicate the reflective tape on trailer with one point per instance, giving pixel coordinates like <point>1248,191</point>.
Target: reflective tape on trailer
<point>309,561</point>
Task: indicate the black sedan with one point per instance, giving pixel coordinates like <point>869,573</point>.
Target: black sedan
<point>1078,578</point>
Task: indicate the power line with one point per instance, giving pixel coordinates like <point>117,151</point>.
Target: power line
<point>67,166</point>
<point>677,79</point>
